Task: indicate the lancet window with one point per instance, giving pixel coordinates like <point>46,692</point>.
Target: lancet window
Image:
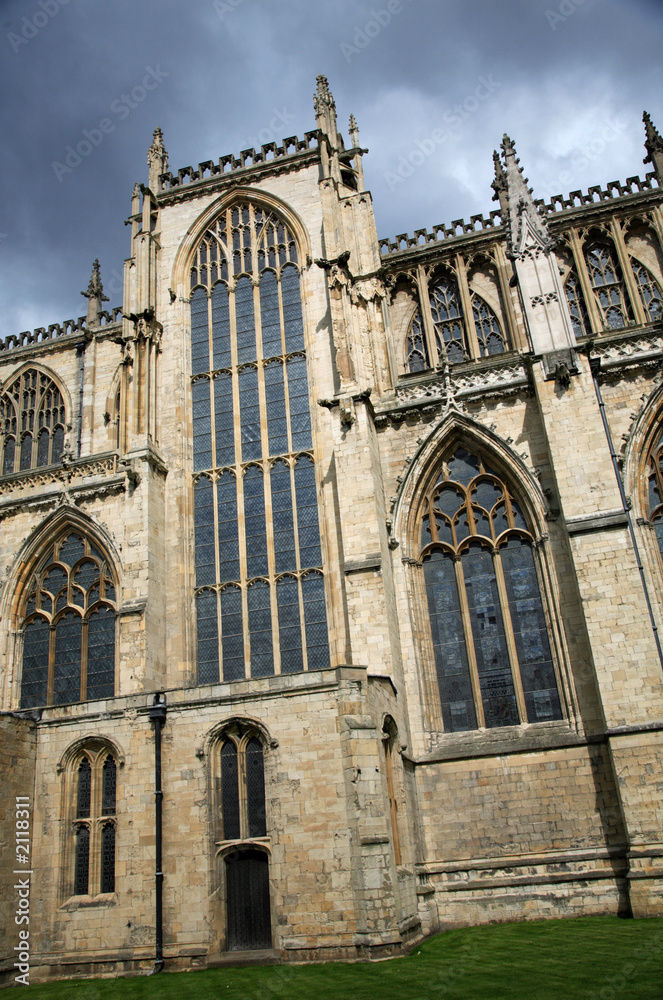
<point>492,653</point>
<point>259,585</point>
<point>68,626</point>
<point>93,824</point>
<point>32,413</point>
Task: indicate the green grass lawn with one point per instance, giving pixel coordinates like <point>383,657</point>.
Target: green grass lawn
<point>583,959</point>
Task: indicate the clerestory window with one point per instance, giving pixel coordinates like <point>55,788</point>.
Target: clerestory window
<point>260,599</point>
<point>450,329</point>
<point>607,281</point>
<point>32,416</point>
<point>490,640</point>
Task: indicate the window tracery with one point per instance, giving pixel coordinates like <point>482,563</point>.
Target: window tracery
<point>577,308</point>
<point>489,334</point>
<point>648,290</point>
<point>93,822</point>
<point>242,784</point>
<point>492,654</point>
<point>607,282</point>
<point>32,415</point>
<point>255,498</point>
<point>68,626</point>
<point>448,322</point>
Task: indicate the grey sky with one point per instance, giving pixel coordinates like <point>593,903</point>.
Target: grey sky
<point>568,79</point>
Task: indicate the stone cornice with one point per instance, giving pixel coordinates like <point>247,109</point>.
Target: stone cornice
<point>45,488</point>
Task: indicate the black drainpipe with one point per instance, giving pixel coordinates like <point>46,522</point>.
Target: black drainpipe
<point>158,714</point>
<point>595,367</point>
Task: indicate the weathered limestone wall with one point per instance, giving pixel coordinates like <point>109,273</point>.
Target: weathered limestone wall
<point>17,767</point>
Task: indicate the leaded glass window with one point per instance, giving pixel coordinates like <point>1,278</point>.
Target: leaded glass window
<point>607,281</point>
<point>32,423</point>
<point>93,825</point>
<point>417,352</point>
<point>255,494</point>
<point>649,291</point>
<point>69,627</point>
<point>448,321</point>
<point>489,332</point>
<point>242,792</point>
<point>490,640</point>
<point>577,308</point>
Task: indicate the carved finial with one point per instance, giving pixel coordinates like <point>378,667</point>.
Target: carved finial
<point>353,131</point>
<point>94,295</point>
<point>157,161</point>
<point>323,99</point>
<point>524,224</point>
<point>654,146</point>
<point>325,111</point>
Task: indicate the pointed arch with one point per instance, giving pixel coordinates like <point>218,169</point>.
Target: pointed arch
<point>473,524</point>
<point>180,275</point>
<point>457,427</point>
<point>62,600</point>
<point>35,410</point>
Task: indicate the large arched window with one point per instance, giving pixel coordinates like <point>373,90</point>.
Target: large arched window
<point>259,586</point>
<point>33,423</point>
<point>492,653</point>
<point>68,617</point>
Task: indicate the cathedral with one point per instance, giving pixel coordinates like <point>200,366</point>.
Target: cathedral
<point>331,572</point>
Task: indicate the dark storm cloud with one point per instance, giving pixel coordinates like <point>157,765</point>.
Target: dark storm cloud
<point>432,83</point>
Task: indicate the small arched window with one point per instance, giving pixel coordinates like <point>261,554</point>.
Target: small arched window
<point>489,333</point>
<point>490,640</point>
<point>69,626</point>
<point>93,821</point>
<point>607,281</point>
<point>32,416</point>
<point>242,773</point>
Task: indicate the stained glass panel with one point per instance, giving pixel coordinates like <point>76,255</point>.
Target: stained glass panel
<point>224,419</point>
<point>315,621</point>
<point>290,630</point>
<point>84,789</point>
<point>67,663</point>
<point>232,626</point>
<point>199,333</point>
<point>451,663</point>
<point>255,788</point>
<point>101,654</point>
<point>254,522</point>
<point>34,680</point>
<point>220,326</point>
<point>208,637</point>
<point>82,870</point>
<point>260,630</point>
<point>229,791</point>
<point>108,858</point>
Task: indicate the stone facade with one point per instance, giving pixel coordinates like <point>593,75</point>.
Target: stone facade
<point>383,821</point>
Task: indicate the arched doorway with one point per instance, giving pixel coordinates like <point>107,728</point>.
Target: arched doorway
<point>247,900</point>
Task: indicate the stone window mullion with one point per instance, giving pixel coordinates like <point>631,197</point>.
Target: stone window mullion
<point>427,315</point>
<point>510,641</point>
<point>469,643</point>
<point>627,272</point>
<point>471,339</point>
<point>595,314</point>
